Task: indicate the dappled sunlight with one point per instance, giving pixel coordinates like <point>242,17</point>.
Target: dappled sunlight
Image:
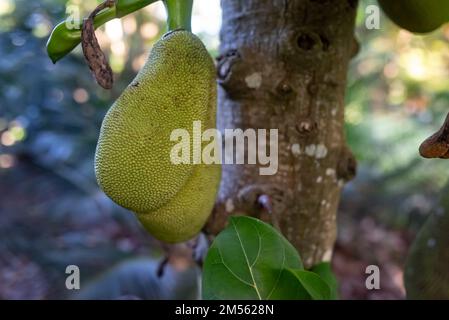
<point>50,119</point>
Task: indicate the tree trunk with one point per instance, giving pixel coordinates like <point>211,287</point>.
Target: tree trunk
<point>283,65</point>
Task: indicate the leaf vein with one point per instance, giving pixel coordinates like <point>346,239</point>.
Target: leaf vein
<point>247,261</point>
<point>279,275</point>
<point>229,269</point>
<point>258,251</point>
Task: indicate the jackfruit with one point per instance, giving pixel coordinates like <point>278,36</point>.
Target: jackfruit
<point>418,16</point>
<point>175,87</point>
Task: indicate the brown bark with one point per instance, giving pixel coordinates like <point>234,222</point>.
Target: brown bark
<point>283,65</point>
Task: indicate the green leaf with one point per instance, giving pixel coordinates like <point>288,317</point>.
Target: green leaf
<point>313,284</point>
<point>289,288</point>
<point>324,270</point>
<point>249,260</point>
<point>124,7</point>
<point>66,36</point>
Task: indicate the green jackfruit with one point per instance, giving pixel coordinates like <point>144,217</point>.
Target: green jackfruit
<point>418,16</point>
<point>176,87</point>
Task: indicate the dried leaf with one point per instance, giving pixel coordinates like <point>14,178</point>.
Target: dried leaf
<point>95,58</point>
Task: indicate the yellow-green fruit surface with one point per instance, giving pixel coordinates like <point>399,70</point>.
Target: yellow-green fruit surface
<point>176,87</point>
<point>186,214</point>
<point>418,16</point>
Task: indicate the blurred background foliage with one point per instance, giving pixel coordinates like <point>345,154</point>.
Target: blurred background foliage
<point>52,213</point>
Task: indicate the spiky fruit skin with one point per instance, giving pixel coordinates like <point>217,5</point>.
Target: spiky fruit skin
<point>181,219</point>
<point>418,16</point>
<point>176,87</point>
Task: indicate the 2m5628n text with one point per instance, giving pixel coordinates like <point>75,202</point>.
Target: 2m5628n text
<point>237,309</point>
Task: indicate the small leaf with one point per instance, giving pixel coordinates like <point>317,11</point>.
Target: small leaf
<point>66,36</point>
<point>248,260</point>
<point>313,284</point>
<point>324,270</point>
<point>62,41</point>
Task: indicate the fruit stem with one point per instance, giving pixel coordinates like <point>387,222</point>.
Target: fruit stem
<point>179,14</point>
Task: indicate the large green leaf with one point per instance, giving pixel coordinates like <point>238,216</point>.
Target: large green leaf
<point>249,260</point>
<point>324,270</point>
<point>313,284</point>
